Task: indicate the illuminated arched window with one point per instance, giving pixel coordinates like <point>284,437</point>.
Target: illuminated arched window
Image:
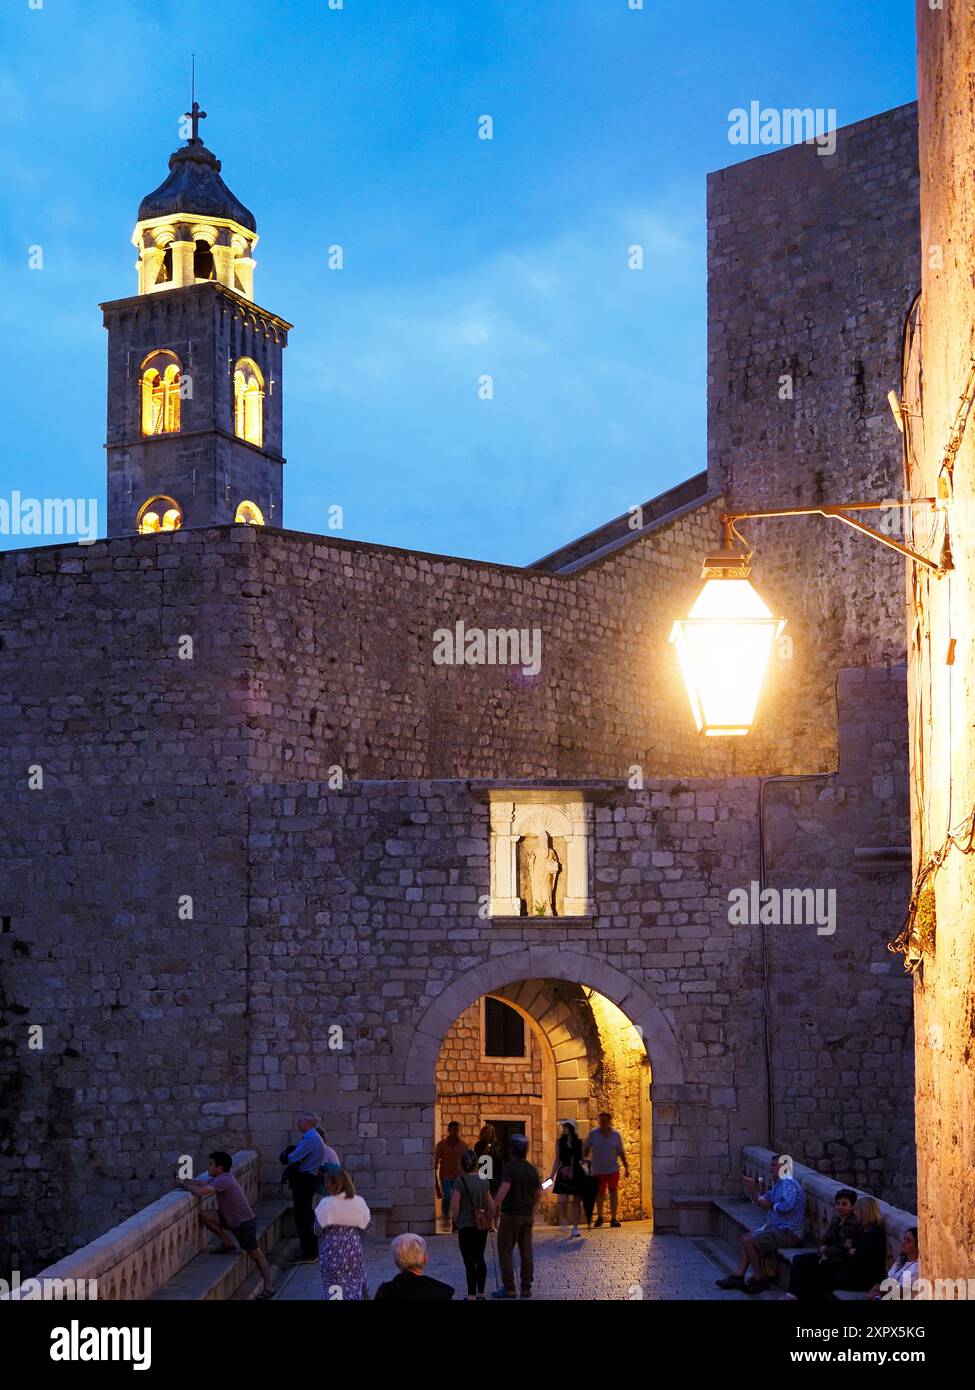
<point>158,514</point>
<point>160,393</point>
<point>250,514</point>
<point>249,402</point>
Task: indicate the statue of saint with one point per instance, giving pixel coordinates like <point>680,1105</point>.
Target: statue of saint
<point>543,869</point>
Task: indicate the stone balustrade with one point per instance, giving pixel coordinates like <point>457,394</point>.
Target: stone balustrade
<point>136,1258</point>
<point>820,1195</point>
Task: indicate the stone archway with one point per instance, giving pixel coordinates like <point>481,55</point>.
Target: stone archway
<point>543,962</point>
<point>530,979</point>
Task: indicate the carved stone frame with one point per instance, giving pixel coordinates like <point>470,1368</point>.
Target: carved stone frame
<point>565,815</point>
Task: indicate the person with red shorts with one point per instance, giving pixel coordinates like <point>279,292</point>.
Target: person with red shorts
<point>605,1148</point>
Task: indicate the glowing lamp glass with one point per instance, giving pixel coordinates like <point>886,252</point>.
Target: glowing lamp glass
<point>723,648</point>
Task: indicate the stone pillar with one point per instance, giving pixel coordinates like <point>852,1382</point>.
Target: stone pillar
<point>183,253</point>
<point>244,270</point>
<point>223,262</point>
<point>577,902</point>
<point>505,901</point>
<point>148,265</point>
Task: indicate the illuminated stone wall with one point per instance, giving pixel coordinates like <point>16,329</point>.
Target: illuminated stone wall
<point>943,694</point>
<point>813,262</point>
<point>620,1084</point>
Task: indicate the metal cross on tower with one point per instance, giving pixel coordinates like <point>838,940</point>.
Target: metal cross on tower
<point>196,116</point>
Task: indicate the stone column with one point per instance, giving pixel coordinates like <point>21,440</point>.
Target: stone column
<point>577,902</point>
<point>243,268</point>
<point>148,265</point>
<point>183,253</point>
<point>223,262</point>
<point>505,901</point>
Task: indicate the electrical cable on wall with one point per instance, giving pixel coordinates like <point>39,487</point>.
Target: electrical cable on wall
<point>917,937</point>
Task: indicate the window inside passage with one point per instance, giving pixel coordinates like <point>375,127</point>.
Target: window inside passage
<point>504,1030</point>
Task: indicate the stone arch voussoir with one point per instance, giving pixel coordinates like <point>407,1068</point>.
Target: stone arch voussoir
<point>544,962</point>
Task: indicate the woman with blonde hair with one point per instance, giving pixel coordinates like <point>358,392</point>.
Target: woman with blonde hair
<point>868,1257</point>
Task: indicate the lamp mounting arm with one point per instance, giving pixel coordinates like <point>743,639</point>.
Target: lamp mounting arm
<point>840,512</point>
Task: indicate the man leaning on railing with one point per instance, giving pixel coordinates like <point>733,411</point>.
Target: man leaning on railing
<point>234,1215</point>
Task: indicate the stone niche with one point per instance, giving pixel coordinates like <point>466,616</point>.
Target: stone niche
<point>541,848</point>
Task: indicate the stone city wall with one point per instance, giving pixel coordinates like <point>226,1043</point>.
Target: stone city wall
<point>123,1020</point>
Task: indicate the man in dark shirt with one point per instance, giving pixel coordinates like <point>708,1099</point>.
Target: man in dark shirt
<point>518,1196</point>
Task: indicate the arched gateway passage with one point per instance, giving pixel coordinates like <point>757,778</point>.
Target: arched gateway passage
<point>580,1037</point>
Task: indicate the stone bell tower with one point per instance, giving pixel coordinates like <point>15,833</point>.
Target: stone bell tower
<point>194,365</point>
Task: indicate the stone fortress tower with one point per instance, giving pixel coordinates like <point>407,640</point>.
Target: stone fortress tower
<point>212,863</point>
<point>194,364</point>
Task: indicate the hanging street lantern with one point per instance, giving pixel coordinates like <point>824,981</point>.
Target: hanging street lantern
<point>724,645</point>
<point>725,642</point>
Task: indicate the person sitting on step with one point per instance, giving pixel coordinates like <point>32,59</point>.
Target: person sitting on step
<point>814,1275</point>
<point>785,1228</point>
<point>904,1271</point>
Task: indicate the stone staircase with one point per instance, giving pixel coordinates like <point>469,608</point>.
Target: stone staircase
<point>220,1275</point>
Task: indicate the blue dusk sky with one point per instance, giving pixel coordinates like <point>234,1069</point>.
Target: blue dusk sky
<point>463,257</point>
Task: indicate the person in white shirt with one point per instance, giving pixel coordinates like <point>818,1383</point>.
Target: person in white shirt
<point>605,1145</point>
<point>341,1217</point>
<point>905,1270</point>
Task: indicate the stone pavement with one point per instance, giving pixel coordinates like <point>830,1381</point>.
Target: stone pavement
<point>629,1263</point>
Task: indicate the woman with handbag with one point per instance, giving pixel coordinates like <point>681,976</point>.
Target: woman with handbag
<point>568,1175</point>
<point>472,1211</point>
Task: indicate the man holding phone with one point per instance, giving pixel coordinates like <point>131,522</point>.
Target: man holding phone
<point>785,1202</point>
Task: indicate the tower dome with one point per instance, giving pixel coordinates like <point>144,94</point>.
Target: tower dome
<point>194,186</point>
<point>192,228</point>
